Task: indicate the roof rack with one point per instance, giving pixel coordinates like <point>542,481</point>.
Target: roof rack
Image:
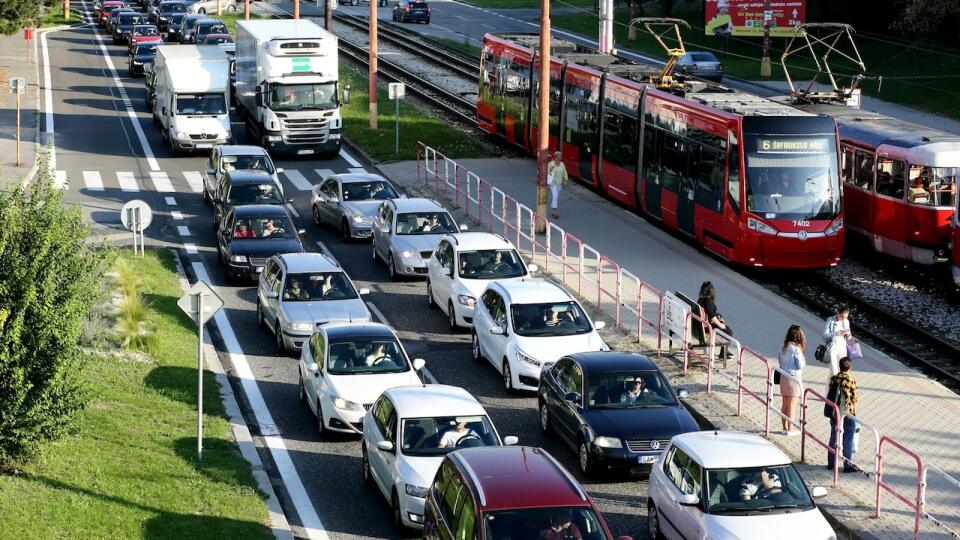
<point>826,38</point>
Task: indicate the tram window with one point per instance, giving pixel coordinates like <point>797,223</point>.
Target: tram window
<point>733,177</point>
<point>673,161</point>
<point>554,104</point>
<point>709,176</point>
<point>890,177</point>
<point>619,134</point>
<point>933,186</point>
<point>651,152</point>
<point>863,170</point>
<point>846,164</point>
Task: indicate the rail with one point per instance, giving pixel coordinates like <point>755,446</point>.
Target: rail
<point>917,504</point>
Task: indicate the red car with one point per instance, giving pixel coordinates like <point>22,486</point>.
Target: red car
<point>216,39</point>
<point>105,10</point>
<point>493,492</point>
<point>143,33</point>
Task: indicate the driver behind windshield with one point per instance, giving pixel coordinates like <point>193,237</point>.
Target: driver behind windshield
<point>453,436</point>
<point>635,391</point>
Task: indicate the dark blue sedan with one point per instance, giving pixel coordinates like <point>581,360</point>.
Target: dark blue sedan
<point>615,409</point>
<point>249,235</point>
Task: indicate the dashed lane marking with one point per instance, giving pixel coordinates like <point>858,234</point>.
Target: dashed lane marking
<point>191,248</point>
<point>60,180</point>
<point>323,173</point>
<point>127,181</point>
<point>183,230</point>
<point>194,180</point>
<point>326,251</point>
<point>176,215</point>
<point>92,180</point>
<point>346,155</point>
<point>162,182</point>
<point>298,180</point>
<point>170,201</point>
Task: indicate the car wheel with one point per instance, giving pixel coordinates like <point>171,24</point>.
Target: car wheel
<point>507,376</point>
<point>202,11</point>
<point>544,417</point>
<point>365,460</point>
<point>206,196</point>
<point>431,302</point>
<point>392,268</point>
<point>397,516</point>
<point>373,249</point>
<point>653,523</point>
<point>345,230</point>
<point>316,216</point>
<point>321,427</point>
<point>302,391</point>
<point>475,346</point>
<point>426,21</point>
<point>586,462</point>
<point>260,320</point>
<point>278,333</point>
<point>452,318</point>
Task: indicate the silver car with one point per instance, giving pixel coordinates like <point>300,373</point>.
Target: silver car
<point>298,292</point>
<point>701,64</point>
<point>350,202</point>
<point>406,231</point>
<point>214,6</point>
<point>236,157</point>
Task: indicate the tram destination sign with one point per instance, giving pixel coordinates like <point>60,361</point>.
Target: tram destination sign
<point>793,145</point>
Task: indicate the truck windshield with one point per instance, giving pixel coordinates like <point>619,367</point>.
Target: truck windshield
<point>201,104</point>
<point>297,97</point>
<point>792,177</point>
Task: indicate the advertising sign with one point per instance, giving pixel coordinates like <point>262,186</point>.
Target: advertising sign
<point>745,17</point>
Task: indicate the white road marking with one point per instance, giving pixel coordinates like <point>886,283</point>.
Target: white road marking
<point>323,173</point>
<point>346,155</point>
<point>48,107</point>
<point>194,180</point>
<point>298,180</point>
<point>191,248</point>
<point>357,170</point>
<point>278,450</point>
<point>127,181</point>
<point>326,251</point>
<point>293,211</point>
<point>161,181</point>
<point>170,201</point>
<point>376,311</point>
<point>92,180</point>
<point>183,230</point>
<point>59,177</point>
<point>176,215</point>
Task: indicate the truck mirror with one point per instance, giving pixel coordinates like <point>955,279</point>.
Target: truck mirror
<point>346,94</point>
<point>259,97</point>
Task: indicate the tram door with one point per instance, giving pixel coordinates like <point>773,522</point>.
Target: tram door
<point>686,199</point>
<point>651,170</point>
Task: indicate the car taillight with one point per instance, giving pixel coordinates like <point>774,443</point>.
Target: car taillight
<point>406,8</point>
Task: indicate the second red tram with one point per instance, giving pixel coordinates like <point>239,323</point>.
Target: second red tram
<point>754,181</point>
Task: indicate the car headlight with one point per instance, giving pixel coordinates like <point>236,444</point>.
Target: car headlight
<point>360,218</point>
<point>182,135</point>
<point>526,359</point>
<point>137,63</point>
<point>406,254</point>
<point>346,405</point>
<point>467,300</point>
<point>334,136</point>
<point>607,442</point>
<point>834,227</point>
<point>273,138</point>
<point>416,491</point>
<point>760,226</point>
<point>301,326</point>
<point>238,258</point>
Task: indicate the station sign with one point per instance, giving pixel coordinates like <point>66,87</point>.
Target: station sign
<point>747,17</point>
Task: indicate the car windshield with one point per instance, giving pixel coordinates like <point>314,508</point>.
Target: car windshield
<point>216,40</point>
<point>755,490</point>
<point>366,355</point>
<point>550,319</point>
<point>264,228</point>
<point>145,31</point>
<point>703,57</point>
<point>540,523</point>
<point>490,264</point>
<point>211,29</point>
<point>367,191</point>
<point>201,104</point>
<point>792,177</point>
<point>425,223</point>
<point>296,97</point>
<point>628,390</point>
<point>266,193</point>
<point>173,8</point>
<point>256,162</point>
<point>126,19</point>
<point>440,435</point>
<point>146,48</point>
<point>177,19</point>
<point>318,286</point>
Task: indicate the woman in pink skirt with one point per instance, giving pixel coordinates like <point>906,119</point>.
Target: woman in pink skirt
<point>791,388</point>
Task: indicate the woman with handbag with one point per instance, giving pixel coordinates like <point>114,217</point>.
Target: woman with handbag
<point>836,334</point>
<point>792,363</point>
<point>708,301</point>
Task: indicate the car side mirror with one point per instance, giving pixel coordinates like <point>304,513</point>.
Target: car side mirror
<point>818,492</point>
<point>312,367</point>
<point>498,331</point>
<point>418,364</point>
<point>682,393</point>
<point>532,268</point>
<point>447,271</point>
<point>364,291</point>
<point>572,397</point>
<point>211,170</point>
<point>599,325</point>
<point>386,446</point>
<point>688,499</point>
<point>259,97</point>
<point>463,227</point>
<point>301,232</point>
<point>279,170</point>
<point>510,440</point>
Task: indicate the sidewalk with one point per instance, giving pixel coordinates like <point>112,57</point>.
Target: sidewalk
<point>900,402</point>
<point>15,62</point>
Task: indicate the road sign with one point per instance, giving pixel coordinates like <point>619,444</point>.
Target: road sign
<point>18,85</point>
<point>190,302</point>
<point>396,90</point>
<point>134,211</point>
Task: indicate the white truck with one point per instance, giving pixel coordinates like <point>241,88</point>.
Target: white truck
<point>192,96</point>
<point>286,86</point>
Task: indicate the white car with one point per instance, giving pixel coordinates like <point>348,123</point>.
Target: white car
<point>344,367</point>
<point>461,268</point>
<point>407,433</point>
<point>518,326</point>
<point>727,485</point>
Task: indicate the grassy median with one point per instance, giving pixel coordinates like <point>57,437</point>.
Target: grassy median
<point>130,469</point>
<point>506,4</point>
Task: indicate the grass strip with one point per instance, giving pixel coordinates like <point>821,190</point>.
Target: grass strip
<point>130,470</point>
<point>507,4</point>
<point>230,19</point>
<point>53,16</point>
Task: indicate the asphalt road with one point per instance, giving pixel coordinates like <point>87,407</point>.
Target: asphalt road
<point>110,151</point>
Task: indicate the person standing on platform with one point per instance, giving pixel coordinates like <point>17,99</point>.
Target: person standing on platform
<point>836,334</point>
<point>843,392</point>
<point>556,179</point>
<point>792,363</point>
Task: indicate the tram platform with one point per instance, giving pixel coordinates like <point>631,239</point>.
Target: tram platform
<point>902,404</point>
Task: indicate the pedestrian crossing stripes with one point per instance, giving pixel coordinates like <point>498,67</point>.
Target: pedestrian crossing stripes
<point>357,170</point>
<point>127,181</point>
<point>92,181</point>
<point>161,182</point>
<point>323,173</point>
<point>60,180</point>
<point>194,180</point>
<point>298,180</point>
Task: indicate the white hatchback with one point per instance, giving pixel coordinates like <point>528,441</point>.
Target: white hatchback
<point>461,268</point>
<point>344,367</point>
<point>407,433</point>
<point>519,326</point>
<point>729,485</point>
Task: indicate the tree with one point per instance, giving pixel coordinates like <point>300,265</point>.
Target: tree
<point>15,13</point>
<point>48,283</point>
<point>923,16</point>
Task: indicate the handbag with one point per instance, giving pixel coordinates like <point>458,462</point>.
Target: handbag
<point>853,350</point>
<point>832,396</point>
<point>821,353</point>
<point>776,377</point>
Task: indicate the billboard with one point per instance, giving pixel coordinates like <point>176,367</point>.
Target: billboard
<point>745,17</point>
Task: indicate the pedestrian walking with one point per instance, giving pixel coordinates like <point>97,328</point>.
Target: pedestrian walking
<point>708,301</point>
<point>836,334</point>
<point>843,392</point>
<point>556,179</point>
<point>792,363</point>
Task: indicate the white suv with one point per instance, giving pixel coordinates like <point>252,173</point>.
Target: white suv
<point>406,434</point>
<point>518,326</point>
<point>461,268</point>
<point>711,484</point>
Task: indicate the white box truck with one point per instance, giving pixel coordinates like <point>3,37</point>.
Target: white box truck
<point>192,96</point>
<point>286,86</point>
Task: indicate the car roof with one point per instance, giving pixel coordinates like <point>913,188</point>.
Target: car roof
<point>241,150</point>
<point>729,449</point>
<point>347,178</point>
<point>298,263</point>
<point>348,330</point>
<point>531,291</point>
<point>420,401</point>
<point>209,22</point>
<point>248,176</point>
<point>601,362</point>
<point>417,205</point>
<point>272,210</point>
<point>512,477</point>
<point>469,241</point>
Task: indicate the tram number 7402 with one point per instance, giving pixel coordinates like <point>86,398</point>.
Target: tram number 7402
<point>799,223</point>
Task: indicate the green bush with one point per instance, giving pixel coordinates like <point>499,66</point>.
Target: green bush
<point>49,280</point>
<point>15,13</point>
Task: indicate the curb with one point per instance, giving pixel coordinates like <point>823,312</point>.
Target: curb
<point>241,433</point>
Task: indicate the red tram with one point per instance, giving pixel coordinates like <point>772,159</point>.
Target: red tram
<point>754,181</point>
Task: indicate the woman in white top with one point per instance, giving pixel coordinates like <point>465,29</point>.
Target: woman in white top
<point>836,333</point>
<point>792,363</point>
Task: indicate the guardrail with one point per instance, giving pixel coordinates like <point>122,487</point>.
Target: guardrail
<point>580,267</point>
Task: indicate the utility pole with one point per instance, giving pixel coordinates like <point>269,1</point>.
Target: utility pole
<point>246,10</point>
<point>66,10</point>
<point>330,15</point>
<point>296,9</point>
<point>543,123</point>
<point>373,64</point>
<point>765,70</point>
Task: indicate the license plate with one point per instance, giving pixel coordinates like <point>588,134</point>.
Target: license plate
<point>204,145</point>
<point>645,460</point>
<point>304,152</point>
<point>259,269</point>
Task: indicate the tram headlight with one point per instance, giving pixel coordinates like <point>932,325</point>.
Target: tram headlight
<point>759,226</point>
<point>834,227</point>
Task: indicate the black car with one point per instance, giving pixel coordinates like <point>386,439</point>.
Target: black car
<point>412,10</point>
<point>124,26</point>
<point>173,25</point>
<point>249,235</point>
<point>205,27</point>
<point>112,17</point>
<point>240,188</point>
<point>142,55</point>
<point>615,409</point>
<point>165,12</point>
<point>187,25</point>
